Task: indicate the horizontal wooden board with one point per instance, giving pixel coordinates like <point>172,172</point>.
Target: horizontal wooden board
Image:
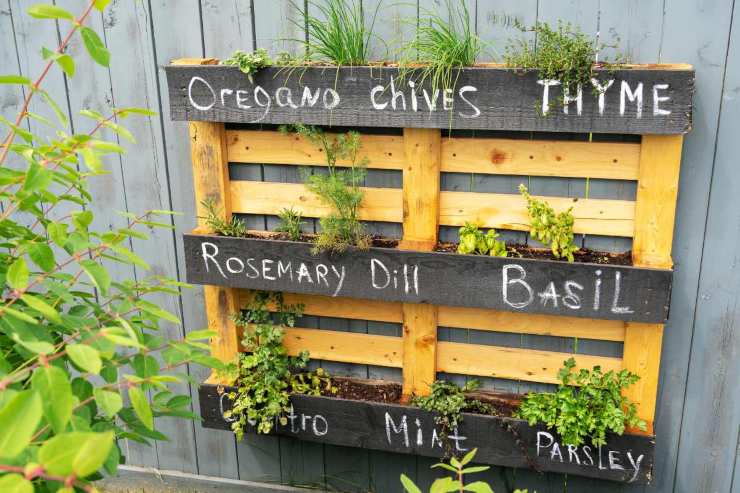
<point>607,160</point>
<point>345,346</point>
<point>511,284</point>
<point>458,317</point>
<point>409,430</point>
<point>490,210</point>
<point>639,101</point>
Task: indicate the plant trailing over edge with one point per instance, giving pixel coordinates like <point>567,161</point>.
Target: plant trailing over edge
<point>442,46</point>
<point>564,54</point>
<point>214,220</point>
<point>474,241</point>
<point>74,340</point>
<point>339,33</point>
<point>551,228</point>
<point>249,63</point>
<point>587,404</point>
<point>267,375</point>
<point>290,223</point>
<point>339,189</point>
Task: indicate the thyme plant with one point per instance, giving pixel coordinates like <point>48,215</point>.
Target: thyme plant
<point>249,63</point>
<point>550,228</point>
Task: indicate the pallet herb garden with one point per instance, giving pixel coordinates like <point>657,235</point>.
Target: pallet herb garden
<point>482,283</point>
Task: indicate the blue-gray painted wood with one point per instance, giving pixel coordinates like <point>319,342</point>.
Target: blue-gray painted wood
<point>701,335</point>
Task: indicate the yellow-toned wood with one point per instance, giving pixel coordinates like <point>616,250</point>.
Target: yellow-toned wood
<point>642,348</point>
<point>512,363</point>
<point>491,210</point>
<point>419,348</point>
<point>195,61</point>
<point>541,158</point>
<point>346,347</point>
<point>216,378</point>
<point>509,211</point>
<point>271,147</point>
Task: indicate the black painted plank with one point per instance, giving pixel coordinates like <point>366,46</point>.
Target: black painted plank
<point>639,100</point>
<point>524,285</point>
<point>409,430</point>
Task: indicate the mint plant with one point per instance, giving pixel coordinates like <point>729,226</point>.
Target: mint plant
<point>587,405</point>
<point>550,228</point>
<point>474,241</point>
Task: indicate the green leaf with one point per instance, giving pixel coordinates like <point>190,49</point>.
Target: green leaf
<point>93,453</point>
<point>92,159</point>
<point>153,309</point>
<point>15,483</point>
<point>141,406</point>
<point>101,4</point>
<point>42,255</point>
<point>42,307</point>
<point>18,421</point>
<point>94,46</point>
<point>37,178</point>
<point>130,256</point>
<point>97,274</point>
<point>445,485</point>
<point>65,62</point>
<point>81,453</point>
<point>17,276</point>
<point>409,485</point>
<point>200,334</point>
<point>57,233</point>
<point>13,79</point>
<point>124,112</point>
<point>46,11</point>
<point>52,385</point>
<point>54,106</point>
<point>110,402</point>
<point>474,469</point>
<point>478,487</point>
<point>468,457</point>
<point>22,316</point>
<point>85,357</point>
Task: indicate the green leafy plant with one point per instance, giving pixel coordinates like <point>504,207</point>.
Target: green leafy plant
<point>338,33</point>
<point>249,63</point>
<point>474,241</point>
<point>338,189</point>
<point>550,228</point>
<point>74,341</point>
<point>442,45</point>
<point>290,223</point>
<point>215,221</point>
<point>587,404</point>
<point>266,374</point>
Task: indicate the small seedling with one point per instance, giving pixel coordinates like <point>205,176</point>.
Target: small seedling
<point>474,241</point>
<point>249,63</point>
<point>290,223</point>
<point>587,404</point>
<point>550,228</point>
<point>214,220</point>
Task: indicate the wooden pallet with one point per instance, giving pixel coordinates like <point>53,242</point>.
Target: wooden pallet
<point>422,155</point>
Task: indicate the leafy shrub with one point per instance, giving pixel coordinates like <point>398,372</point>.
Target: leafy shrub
<point>214,220</point>
<point>290,223</point>
<point>587,404</point>
<point>339,189</point>
<point>74,341</point>
<point>548,227</point>
<point>249,63</point>
<point>267,375</point>
<point>474,241</point>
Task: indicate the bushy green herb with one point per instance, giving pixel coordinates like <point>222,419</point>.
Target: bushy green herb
<point>442,45</point>
<point>474,241</point>
<point>587,404</point>
<point>249,63</point>
<point>564,54</point>
<point>214,220</point>
<point>339,32</point>
<point>339,189</point>
<point>550,228</point>
<point>455,483</point>
<point>267,375</point>
<point>290,223</point>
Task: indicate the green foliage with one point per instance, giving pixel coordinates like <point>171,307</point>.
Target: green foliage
<point>338,33</point>
<point>249,63</point>
<point>587,404</point>
<point>215,221</point>
<point>338,189</point>
<point>290,223</point>
<point>442,45</point>
<point>564,54</point>
<point>474,241</point>
<point>267,375</point>
<point>72,338</point>
<point>548,227</point>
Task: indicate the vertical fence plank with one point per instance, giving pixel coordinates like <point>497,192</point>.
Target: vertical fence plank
<point>226,16</point>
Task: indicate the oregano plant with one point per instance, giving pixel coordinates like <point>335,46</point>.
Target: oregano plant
<point>82,362</point>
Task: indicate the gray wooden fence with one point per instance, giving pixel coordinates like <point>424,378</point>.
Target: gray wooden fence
<point>698,420</point>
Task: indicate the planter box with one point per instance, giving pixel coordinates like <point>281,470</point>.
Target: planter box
<point>511,284</point>
<point>500,441</point>
<point>654,99</point>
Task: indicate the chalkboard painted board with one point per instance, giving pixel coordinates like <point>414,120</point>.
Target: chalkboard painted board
<point>637,100</point>
<point>523,285</point>
<point>409,430</point>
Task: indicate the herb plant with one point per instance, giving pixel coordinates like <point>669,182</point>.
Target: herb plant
<point>249,63</point>
<point>474,241</point>
<point>442,46</point>
<point>214,220</point>
<point>267,375</point>
<point>587,404</point>
<point>550,228</point>
<point>455,483</point>
<point>290,223</point>
<point>338,189</point>
<point>80,351</point>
